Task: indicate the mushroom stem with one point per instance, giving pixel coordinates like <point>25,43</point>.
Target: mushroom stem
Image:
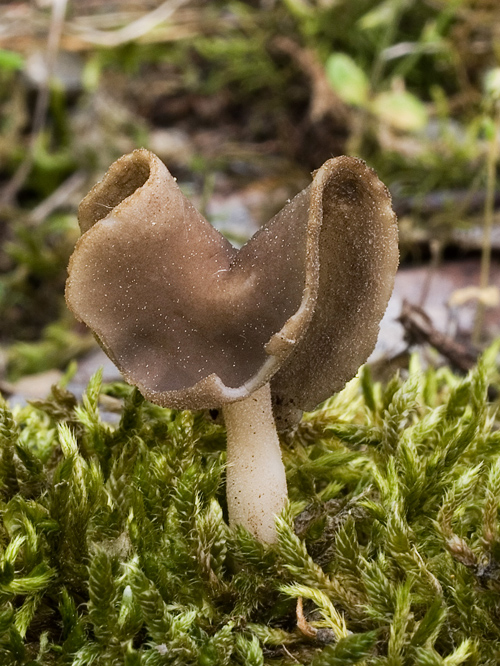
<point>256,481</point>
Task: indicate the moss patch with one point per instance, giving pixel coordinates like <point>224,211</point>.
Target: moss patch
<point>114,547</point>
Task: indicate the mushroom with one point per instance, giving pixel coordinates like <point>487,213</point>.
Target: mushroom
<point>275,327</point>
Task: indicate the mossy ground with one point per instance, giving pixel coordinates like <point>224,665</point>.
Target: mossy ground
<point>115,548</point>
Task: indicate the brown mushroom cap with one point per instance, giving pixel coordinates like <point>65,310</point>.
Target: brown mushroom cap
<point>194,323</point>
<point>358,259</point>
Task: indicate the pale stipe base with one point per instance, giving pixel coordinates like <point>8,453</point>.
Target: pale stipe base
<point>256,481</point>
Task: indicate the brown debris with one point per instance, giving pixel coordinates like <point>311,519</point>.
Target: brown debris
<point>302,624</point>
<point>419,329</point>
<point>324,100</point>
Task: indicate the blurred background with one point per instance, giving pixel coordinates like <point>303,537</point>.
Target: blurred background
<point>242,100</point>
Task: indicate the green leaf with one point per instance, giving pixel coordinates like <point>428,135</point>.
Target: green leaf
<point>11,61</point>
<point>489,128</point>
<point>492,84</point>
<point>347,79</point>
<point>381,16</point>
<point>401,110</point>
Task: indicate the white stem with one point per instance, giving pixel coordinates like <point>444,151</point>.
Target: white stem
<point>256,481</point>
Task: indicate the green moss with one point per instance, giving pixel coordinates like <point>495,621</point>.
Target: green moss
<point>33,263</point>
<point>114,548</point>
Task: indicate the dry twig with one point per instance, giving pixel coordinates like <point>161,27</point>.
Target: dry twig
<point>131,31</point>
<point>10,191</point>
<point>419,329</point>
